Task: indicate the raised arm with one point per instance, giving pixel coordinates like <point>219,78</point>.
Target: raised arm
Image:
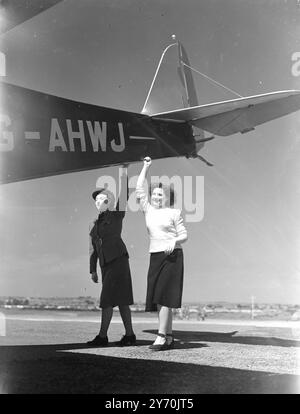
<point>140,191</point>
<point>123,191</point>
<point>143,173</point>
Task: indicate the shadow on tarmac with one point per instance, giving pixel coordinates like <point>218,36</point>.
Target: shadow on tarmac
<point>47,369</point>
<point>228,337</point>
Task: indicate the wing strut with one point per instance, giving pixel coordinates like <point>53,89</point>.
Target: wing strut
<point>204,160</point>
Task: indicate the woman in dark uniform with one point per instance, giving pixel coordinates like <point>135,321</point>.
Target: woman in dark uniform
<point>107,246</point>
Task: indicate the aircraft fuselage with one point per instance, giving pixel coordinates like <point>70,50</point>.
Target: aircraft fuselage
<point>44,135</point>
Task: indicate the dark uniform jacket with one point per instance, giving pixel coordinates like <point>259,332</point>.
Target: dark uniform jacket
<point>106,243</point>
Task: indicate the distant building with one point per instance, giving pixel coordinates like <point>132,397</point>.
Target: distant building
<point>2,64</point>
<point>2,324</point>
<point>296,316</point>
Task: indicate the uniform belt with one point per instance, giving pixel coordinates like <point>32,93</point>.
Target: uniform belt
<point>103,239</point>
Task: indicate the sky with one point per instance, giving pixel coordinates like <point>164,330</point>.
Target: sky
<point>106,53</point>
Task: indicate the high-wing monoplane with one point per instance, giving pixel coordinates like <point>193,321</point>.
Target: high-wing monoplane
<point>43,135</point>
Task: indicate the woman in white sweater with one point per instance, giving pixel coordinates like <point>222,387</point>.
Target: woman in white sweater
<point>165,275</point>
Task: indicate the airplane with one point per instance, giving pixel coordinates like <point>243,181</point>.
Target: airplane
<point>43,135</point>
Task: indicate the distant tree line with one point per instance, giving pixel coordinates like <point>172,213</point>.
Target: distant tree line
<point>15,302</point>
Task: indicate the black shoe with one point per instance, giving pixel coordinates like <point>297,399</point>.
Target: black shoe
<point>165,346</point>
<point>127,340</point>
<point>98,341</point>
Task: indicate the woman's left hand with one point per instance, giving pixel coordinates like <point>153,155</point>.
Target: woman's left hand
<point>170,247</point>
<point>94,277</point>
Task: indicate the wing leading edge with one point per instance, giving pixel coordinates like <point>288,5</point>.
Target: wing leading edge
<point>236,115</point>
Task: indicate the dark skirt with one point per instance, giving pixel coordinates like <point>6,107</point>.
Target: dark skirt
<point>165,280</point>
<point>116,283</point>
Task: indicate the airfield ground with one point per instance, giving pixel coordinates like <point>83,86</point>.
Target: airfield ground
<point>46,353</point>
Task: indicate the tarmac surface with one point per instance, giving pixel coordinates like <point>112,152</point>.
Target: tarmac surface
<point>45,353</point>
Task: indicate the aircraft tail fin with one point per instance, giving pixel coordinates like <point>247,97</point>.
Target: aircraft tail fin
<point>170,87</point>
<point>165,95</point>
<point>189,93</point>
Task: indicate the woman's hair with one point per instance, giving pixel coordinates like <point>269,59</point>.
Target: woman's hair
<point>168,190</point>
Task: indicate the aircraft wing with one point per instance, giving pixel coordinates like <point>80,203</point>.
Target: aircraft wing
<point>236,115</point>
<point>15,12</point>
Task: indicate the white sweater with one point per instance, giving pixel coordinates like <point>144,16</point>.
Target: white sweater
<point>163,224</point>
